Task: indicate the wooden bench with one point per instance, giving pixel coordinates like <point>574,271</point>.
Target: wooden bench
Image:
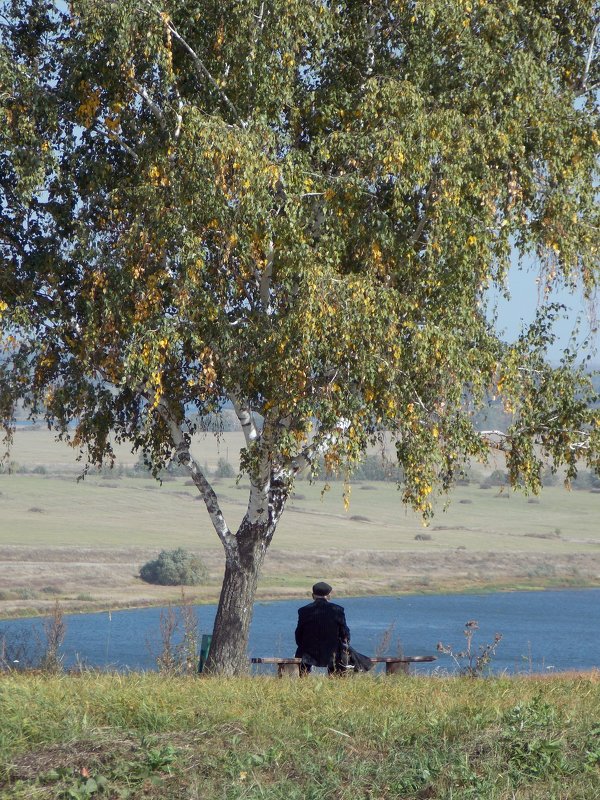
<point>286,667</point>
<point>394,665</point>
<point>401,664</point>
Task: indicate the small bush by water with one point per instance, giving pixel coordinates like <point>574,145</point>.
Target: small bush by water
<point>175,568</point>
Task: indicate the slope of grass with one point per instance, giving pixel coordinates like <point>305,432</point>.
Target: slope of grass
<point>369,737</point>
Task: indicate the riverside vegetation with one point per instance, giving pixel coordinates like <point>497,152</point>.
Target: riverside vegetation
<point>157,736</point>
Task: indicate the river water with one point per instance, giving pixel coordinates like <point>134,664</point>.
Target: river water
<point>541,631</point>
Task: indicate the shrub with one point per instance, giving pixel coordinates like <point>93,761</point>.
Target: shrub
<point>25,593</point>
<point>224,469</point>
<point>586,480</point>
<point>497,478</point>
<point>549,478</point>
<point>174,568</point>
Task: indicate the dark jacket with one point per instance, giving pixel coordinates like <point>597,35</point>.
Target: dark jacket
<point>321,630</point>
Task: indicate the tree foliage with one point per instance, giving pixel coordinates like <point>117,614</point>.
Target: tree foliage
<point>298,206</point>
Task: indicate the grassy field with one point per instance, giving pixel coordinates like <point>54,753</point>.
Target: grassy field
<point>149,736</point>
<point>84,542</point>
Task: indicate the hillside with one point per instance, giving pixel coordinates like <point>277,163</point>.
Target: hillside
<point>84,542</point>
<point>150,736</point>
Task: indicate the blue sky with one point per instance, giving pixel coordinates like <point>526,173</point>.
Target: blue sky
<point>521,308</point>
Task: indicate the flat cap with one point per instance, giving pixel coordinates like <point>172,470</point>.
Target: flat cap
<point>321,589</point>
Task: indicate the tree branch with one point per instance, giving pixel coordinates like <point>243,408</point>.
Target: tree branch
<point>260,24</point>
<point>115,137</point>
<point>154,108</point>
<point>260,486</point>
<point>429,196</point>
<point>198,63</point>
<point>178,116</point>
<point>499,440</point>
<point>590,57</point>
<point>495,439</point>
<point>244,414</point>
<point>184,457</point>
<point>305,458</point>
<point>266,277</point>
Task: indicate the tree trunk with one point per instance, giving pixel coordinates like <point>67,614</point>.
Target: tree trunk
<point>243,561</point>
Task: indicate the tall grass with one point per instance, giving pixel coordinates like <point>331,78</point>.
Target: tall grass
<point>146,735</point>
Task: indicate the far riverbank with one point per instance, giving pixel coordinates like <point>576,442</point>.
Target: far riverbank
<point>86,580</point>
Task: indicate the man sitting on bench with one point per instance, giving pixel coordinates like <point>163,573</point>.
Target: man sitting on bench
<point>321,633</point>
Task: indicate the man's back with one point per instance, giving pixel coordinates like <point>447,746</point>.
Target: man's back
<point>321,628</point>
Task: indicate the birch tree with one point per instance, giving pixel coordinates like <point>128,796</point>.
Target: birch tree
<point>296,207</point>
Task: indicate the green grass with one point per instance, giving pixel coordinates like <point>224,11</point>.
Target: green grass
<point>51,510</point>
<point>369,737</point>
<point>40,510</point>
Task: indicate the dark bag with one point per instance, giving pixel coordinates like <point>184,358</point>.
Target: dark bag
<point>352,660</point>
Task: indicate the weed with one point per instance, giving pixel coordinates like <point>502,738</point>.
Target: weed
<point>531,742</point>
<point>54,631</point>
<point>383,645</point>
<point>159,758</point>
<point>470,661</point>
<point>148,764</point>
<point>178,657</point>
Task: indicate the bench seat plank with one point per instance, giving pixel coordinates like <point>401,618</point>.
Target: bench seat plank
<point>402,659</point>
<point>290,667</point>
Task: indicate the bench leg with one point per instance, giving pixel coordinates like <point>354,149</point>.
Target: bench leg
<point>397,668</point>
<point>288,670</point>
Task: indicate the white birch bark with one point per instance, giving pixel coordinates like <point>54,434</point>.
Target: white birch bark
<point>185,457</point>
